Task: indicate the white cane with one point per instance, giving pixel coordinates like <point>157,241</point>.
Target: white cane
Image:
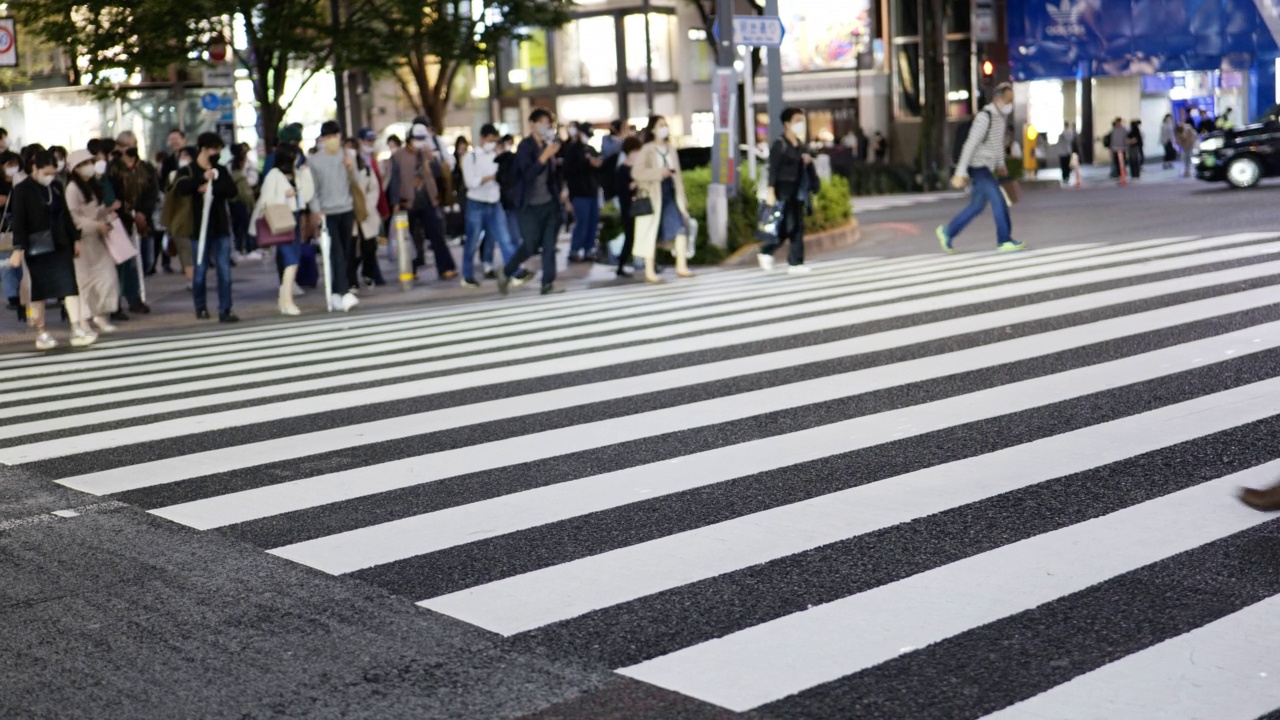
<point>137,262</point>
<point>204,220</point>
<point>324,260</point>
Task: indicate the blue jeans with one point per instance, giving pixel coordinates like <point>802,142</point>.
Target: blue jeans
<point>513,228</point>
<point>986,189</point>
<point>490,218</point>
<point>217,252</point>
<point>586,224</point>
<point>10,277</point>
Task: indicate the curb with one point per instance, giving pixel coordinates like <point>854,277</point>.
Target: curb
<point>826,241</point>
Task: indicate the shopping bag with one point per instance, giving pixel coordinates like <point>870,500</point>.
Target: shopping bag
<point>767,222</point>
<point>280,219</point>
<point>118,243</point>
<point>267,237</point>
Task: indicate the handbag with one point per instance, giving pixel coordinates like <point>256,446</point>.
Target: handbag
<point>279,218</point>
<point>40,243</point>
<point>118,243</point>
<point>767,222</point>
<point>268,237</point>
<point>641,206</point>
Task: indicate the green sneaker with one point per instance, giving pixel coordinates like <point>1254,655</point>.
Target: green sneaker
<point>1011,246</point>
<point>944,240</point>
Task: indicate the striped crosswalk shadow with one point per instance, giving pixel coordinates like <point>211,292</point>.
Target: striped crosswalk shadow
<point>914,487</point>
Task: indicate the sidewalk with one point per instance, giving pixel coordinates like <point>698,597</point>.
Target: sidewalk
<point>1100,175</point>
<point>255,292</point>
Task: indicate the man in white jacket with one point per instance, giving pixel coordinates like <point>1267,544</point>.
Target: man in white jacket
<point>484,203</point>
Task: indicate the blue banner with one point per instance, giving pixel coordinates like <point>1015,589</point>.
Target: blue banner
<point>1072,38</point>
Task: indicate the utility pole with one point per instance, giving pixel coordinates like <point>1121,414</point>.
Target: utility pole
<point>774,57</point>
<point>724,101</point>
<point>339,79</point>
<point>648,62</point>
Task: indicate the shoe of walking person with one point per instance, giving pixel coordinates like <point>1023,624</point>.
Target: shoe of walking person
<point>551,290</point>
<point>349,301</point>
<point>228,317</point>
<point>104,325</point>
<point>765,262</point>
<point>82,338</point>
<point>119,316</point>
<point>469,283</point>
<point>140,308</point>
<point>46,341</point>
<point>1267,500</point>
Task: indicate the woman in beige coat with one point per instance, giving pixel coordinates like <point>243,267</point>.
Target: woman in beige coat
<point>95,268</point>
<point>657,176</point>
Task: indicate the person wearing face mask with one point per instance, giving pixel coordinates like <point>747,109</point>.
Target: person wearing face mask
<point>537,200</point>
<point>792,182</point>
<point>657,176</point>
<point>368,190</point>
<point>484,204</point>
<point>59,162</point>
<point>96,274</point>
<point>626,186</point>
<point>44,239</point>
<point>981,161</point>
<point>288,184</point>
<point>581,165</point>
<point>413,188</point>
<point>509,185</point>
<point>10,277</point>
<point>176,215</point>
<point>332,170</point>
<point>206,175</point>
<point>368,142</point>
<point>242,206</point>
<point>137,189</point>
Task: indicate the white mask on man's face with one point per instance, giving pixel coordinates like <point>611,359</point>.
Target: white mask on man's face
<point>100,167</point>
<point>662,133</point>
<point>62,165</point>
<point>490,147</point>
<point>799,128</point>
<point>45,180</point>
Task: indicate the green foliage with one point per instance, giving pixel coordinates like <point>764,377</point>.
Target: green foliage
<point>1017,170</point>
<point>831,206</point>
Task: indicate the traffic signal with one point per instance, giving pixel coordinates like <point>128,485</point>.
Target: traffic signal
<point>988,69</point>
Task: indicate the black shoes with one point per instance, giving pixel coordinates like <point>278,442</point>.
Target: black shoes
<point>139,308</point>
<point>626,272</point>
<point>551,290</point>
<point>119,316</point>
<point>202,314</point>
<point>228,317</point>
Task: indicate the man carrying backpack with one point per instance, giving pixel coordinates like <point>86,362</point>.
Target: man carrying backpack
<point>981,160</point>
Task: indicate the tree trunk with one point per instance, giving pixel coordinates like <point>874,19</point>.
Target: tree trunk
<point>933,108</point>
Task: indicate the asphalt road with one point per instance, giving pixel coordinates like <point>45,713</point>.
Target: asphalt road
<point>907,485</point>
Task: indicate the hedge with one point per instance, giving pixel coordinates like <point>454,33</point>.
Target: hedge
<point>831,209</point>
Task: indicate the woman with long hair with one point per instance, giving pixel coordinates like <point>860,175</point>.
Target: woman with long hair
<point>96,274</point>
<point>291,185</point>
<point>44,240</point>
<point>657,176</point>
<point>365,264</point>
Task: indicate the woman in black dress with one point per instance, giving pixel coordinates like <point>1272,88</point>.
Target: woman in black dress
<point>46,242</point>
<point>626,194</point>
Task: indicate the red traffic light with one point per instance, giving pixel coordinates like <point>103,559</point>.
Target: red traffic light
<point>988,68</point>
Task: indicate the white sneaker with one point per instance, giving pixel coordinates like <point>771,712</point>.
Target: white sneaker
<point>290,310</point>
<point>255,255</point>
<point>298,291</point>
<point>187,286</point>
<point>236,256</point>
<point>766,262</point>
<point>82,338</point>
<point>335,303</point>
<point>104,326</point>
<point>46,341</point>
<point>799,270</point>
<point>349,301</point>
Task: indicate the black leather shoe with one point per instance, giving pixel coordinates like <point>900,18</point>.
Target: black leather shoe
<point>139,307</point>
<point>119,316</point>
<point>228,317</point>
<point>202,314</point>
<point>551,290</point>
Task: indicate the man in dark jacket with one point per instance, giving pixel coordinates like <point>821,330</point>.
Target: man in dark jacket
<point>580,164</point>
<point>137,188</point>
<point>206,175</point>
<point>537,199</point>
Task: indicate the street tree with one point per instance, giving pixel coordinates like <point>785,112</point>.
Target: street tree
<point>426,44</point>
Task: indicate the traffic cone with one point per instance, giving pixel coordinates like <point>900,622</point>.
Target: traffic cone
<point>1124,175</point>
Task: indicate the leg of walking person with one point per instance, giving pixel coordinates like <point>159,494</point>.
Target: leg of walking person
<point>977,203</point>
<point>549,229</point>
<point>221,251</point>
<point>446,268</point>
<point>340,227</point>
<point>1065,162</point>
<point>628,243</point>
<point>475,224</point>
<point>795,233</point>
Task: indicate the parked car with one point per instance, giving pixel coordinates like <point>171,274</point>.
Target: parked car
<point>1241,156</point>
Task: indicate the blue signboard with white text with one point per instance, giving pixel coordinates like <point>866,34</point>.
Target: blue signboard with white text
<point>1073,38</point>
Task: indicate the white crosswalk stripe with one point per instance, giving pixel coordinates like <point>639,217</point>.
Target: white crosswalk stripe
<point>762,492</point>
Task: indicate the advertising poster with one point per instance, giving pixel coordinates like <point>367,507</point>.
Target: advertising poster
<point>824,35</point>
<point>1059,38</point>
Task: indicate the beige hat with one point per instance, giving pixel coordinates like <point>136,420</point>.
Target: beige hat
<point>78,158</point>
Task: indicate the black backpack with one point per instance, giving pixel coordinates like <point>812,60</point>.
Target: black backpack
<point>507,180</point>
<point>962,137</point>
<point>608,174</point>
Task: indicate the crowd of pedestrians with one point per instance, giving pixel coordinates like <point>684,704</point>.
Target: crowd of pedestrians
<point>88,226</point>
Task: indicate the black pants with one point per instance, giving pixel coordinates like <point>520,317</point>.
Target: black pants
<point>629,240</point>
<point>1170,154</point>
<point>367,262</point>
<point>1065,162</point>
<point>426,226</point>
<point>1135,159</point>
<point>539,226</point>
<point>341,247</point>
<point>790,229</point>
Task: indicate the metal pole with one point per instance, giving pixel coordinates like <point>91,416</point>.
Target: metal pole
<point>774,57</point>
<point>648,62</point>
<point>339,81</point>
<point>749,101</point>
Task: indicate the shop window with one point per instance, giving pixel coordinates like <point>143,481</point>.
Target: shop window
<point>702,61</point>
<point>660,29</point>
<point>907,61</point>
<point>906,18</point>
<point>587,53</point>
<point>959,79</point>
<point>527,61</point>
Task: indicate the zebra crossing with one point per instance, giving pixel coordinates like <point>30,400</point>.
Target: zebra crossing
<point>930,486</point>
<point>875,203</point>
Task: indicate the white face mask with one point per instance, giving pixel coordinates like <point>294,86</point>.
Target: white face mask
<point>417,144</point>
<point>11,171</point>
<point>183,162</point>
<point>547,132</point>
<point>100,167</point>
<point>662,133</point>
<point>62,165</point>
<point>799,128</point>
<point>367,149</point>
<point>490,147</point>
<point>351,153</point>
<point>85,171</point>
<point>1006,109</point>
<point>45,180</point>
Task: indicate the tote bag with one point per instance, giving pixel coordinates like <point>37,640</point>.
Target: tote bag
<point>267,237</point>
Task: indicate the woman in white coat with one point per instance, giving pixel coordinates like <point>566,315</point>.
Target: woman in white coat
<point>291,185</point>
<point>95,268</point>
<point>657,176</point>
<point>367,230</point>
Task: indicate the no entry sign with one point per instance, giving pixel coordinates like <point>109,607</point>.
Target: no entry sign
<point>8,43</point>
